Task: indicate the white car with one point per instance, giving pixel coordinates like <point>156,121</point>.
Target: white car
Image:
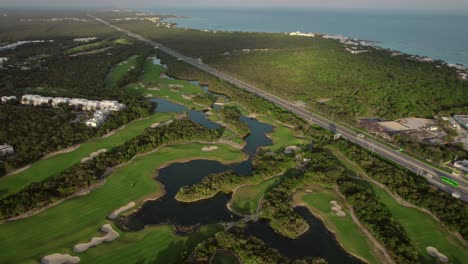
<point>456,195</point>
<point>361,135</point>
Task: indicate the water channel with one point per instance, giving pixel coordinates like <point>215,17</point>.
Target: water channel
<point>316,242</point>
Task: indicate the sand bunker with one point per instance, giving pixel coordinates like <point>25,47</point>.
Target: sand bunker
<point>186,97</point>
<point>110,236</point>
<point>149,96</point>
<point>60,259</point>
<point>176,86</point>
<point>436,254</point>
<point>93,155</point>
<point>336,208</point>
<point>208,149</point>
<point>153,89</point>
<point>290,149</point>
<point>155,125</point>
<point>116,213</point>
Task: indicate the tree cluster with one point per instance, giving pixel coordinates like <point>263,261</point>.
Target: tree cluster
<point>83,175</point>
<point>411,187</point>
<point>378,220</point>
<point>248,248</point>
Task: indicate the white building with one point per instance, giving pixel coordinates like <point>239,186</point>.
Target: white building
<point>2,60</point>
<point>59,100</point>
<point>8,98</point>
<point>102,108</point>
<point>462,165</point>
<point>111,105</point>
<point>6,149</point>
<point>298,33</point>
<point>35,99</point>
<point>98,118</point>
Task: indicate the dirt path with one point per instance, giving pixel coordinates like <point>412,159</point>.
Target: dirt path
<point>398,198</point>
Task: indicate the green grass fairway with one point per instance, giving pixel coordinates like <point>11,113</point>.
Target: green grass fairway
<point>156,244</point>
<point>246,198</point>
<point>347,232</point>
<point>423,230</point>
<point>45,168</point>
<point>152,85</point>
<point>283,137</point>
<point>97,45</point>
<point>59,228</point>
<point>224,257</point>
<point>87,47</point>
<point>151,71</point>
<point>119,71</point>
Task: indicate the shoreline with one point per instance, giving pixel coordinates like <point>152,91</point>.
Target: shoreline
<point>378,44</point>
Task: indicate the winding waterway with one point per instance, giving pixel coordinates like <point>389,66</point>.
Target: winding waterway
<point>316,242</point>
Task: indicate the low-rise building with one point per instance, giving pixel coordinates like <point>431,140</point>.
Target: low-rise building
<point>462,119</point>
<point>5,99</point>
<point>462,165</point>
<point>6,149</point>
<point>99,117</point>
<point>102,108</point>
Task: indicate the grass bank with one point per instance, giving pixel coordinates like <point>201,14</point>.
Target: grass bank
<point>346,231</point>
<point>59,228</point>
<point>245,199</point>
<point>45,168</point>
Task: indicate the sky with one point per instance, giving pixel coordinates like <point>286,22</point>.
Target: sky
<point>377,4</point>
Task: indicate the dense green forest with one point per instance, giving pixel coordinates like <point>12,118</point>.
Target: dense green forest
<point>249,249</point>
<point>83,175</point>
<point>378,219</point>
<point>231,115</point>
<point>57,73</point>
<point>312,69</point>
<point>323,169</point>
<point>413,188</point>
<point>12,28</point>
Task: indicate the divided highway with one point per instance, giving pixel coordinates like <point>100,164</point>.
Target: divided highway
<point>431,174</point>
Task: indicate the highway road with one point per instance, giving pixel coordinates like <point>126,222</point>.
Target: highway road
<point>431,174</point>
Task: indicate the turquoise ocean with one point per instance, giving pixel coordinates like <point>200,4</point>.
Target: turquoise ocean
<point>436,34</point>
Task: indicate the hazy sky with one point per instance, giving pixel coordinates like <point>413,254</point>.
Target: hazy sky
<point>397,4</point>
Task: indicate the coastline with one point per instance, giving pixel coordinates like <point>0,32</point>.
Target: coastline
<point>202,22</point>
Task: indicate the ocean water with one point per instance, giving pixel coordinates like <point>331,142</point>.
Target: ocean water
<point>439,35</point>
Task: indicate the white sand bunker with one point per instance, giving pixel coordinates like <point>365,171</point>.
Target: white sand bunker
<point>153,89</point>
<point>186,97</point>
<point>209,149</point>
<point>337,209</point>
<point>290,149</point>
<point>436,254</point>
<point>176,86</point>
<point>60,259</point>
<point>155,125</point>
<point>149,96</point>
<point>116,213</point>
<point>93,155</point>
<point>110,236</point>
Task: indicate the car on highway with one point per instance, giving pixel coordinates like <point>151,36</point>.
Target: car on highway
<point>456,195</point>
<point>361,135</point>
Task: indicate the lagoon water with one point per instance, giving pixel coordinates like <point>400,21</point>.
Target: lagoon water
<point>439,35</point>
<point>316,242</point>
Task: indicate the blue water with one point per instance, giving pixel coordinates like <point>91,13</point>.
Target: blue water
<point>439,35</point>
